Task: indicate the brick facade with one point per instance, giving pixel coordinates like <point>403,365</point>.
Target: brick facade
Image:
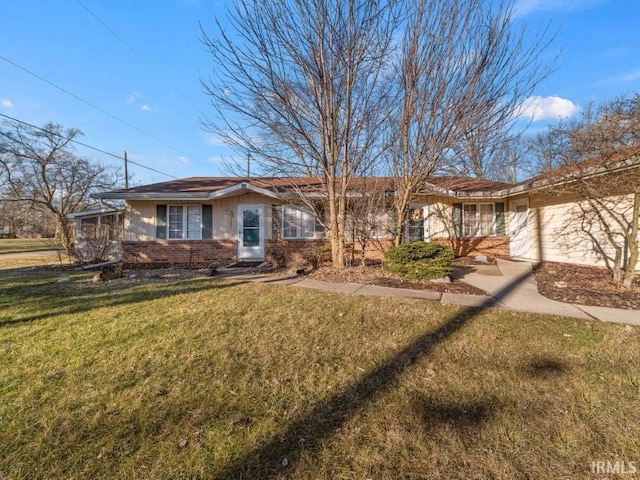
<point>290,251</point>
<point>158,253</point>
<point>494,246</point>
<point>214,253</point>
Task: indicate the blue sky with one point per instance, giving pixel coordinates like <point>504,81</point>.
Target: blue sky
<point>141,63</point>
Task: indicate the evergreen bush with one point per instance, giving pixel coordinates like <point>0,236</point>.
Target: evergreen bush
<point>420,260</point>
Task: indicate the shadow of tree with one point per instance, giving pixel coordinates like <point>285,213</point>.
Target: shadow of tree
<point>463,416</point>
<point>328,416</point>
<point>546,368</point>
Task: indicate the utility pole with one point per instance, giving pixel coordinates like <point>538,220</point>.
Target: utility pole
<point>248,165</point>
<point>126,171</point>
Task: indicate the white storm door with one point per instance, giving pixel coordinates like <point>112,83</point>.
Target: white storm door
<point>519,229</point>
<point>250,231</point>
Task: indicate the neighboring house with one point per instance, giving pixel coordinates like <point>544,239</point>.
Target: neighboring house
<point>97,234</point>
<point>219,220</point>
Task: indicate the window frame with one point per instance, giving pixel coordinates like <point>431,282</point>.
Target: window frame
<point>478,220</point>
<point>185,222</point>
<point>299,211</point>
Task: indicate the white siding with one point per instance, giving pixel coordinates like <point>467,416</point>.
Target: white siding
<point>140,223</point>
<point>440,217</point>
<point>566,230</point>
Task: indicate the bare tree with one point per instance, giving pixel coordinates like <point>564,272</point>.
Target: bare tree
<point>491,155</point>
<point>301,86</point>
<point>463,70</point>
<point>599,154</point>
<point>369,219</point>
<point>546,150</point>
<point>39,167</point>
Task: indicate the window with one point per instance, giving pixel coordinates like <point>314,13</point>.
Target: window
<point>416,225</point>
<point>478,219</point>
<point>297,222</point>
<point>88,227</point>
<point>185,222</point>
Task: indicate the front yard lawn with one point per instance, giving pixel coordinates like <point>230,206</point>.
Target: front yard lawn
<point>19,245</point>
<point>208,378</point>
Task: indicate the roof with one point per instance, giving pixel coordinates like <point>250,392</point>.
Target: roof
<point>207,188</point>
<point>95,212</point>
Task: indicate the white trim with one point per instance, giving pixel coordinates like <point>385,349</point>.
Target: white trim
<point>426,228</point>
<point>185,222</point>
<point>525,252</point>
<point>298,211</point>
<point>237,189</point>
<point>479,220</point>
<point>93,213</point>
<point>255,252</point>
<point>240,189</point>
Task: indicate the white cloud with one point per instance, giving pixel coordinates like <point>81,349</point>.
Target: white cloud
<point>6,103</point>
<point>132,97</point>
<point>542,108</point>
<point>525,7</point>
<point>630,76</point>
<point>182,160</point>
<point>147,108</point>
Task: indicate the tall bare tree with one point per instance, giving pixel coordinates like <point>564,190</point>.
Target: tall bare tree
<point>39,167</point>
<point>495,156</point>
<point>301,85</point>
<point>463,69</point>
<point>599,151</point>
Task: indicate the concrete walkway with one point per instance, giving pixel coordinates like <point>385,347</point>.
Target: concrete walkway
<point>510,284</point>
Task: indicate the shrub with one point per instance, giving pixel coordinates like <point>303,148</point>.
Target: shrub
<point>420,260</point>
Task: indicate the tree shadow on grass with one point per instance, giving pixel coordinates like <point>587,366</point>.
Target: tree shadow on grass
<point>462,416</point>
<point>328,416</point>
<point>53,299</point>
<point>546,367</point>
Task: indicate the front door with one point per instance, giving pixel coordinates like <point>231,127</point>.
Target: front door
<point>519,229</point>
<point>250,232</point>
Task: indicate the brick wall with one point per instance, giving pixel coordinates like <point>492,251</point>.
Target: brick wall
<point>209,253</point>
<point>213,253</point>
<point>288,252</point>
<point>494,246</point>
<point>297,250</point>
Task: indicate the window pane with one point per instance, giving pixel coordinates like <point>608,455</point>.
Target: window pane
<point>250,218</point>
<point>486,219</point>
<point>307,224</point>
<point>176,229</point>
<point>290,223</point>
<point>416,225</point>
<point>194,221</point>
<point>297,223</point>
<point>470,220</point>
<point>251,237</point>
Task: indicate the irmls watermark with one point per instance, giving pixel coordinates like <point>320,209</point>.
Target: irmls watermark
<point>620,467</point>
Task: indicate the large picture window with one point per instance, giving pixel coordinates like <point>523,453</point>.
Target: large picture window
<point>185,222</point>
<point>289,221</point>
<point>297,222</point>
<point>478,219</point>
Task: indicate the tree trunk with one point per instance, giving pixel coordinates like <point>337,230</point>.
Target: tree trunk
<point>629,272</point>
<point>337,245</point>
<point>64,233</point>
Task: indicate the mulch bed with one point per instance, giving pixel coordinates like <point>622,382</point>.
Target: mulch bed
<point>374,275</point>
<point>585,286</point>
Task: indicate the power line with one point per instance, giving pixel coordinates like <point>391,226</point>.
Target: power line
<point>107,27</point>
<point>86,145</point>
<point>119,38</point>
<point>86,102</point>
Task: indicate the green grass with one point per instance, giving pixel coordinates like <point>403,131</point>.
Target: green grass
<point>213,379</point>
<point>19,245</point>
